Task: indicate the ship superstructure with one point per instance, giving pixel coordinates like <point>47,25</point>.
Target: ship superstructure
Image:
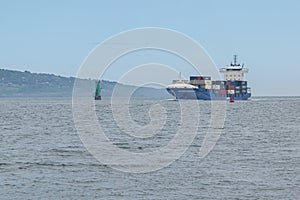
<point>234,71</point>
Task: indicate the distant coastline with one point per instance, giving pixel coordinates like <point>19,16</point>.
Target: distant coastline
<point>27,84</point>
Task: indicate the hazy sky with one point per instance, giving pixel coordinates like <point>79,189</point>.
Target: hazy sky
<point>56,36</point>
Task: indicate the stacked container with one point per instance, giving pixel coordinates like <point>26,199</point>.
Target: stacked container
<point>200,78</point>
<point>203,82</point>
<point>219,87</point>
<point>231,87</point>
<point>239,87</point>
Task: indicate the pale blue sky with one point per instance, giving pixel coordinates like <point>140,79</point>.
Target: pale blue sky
<point>55,36</point>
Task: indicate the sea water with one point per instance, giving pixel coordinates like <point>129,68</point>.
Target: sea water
<point>257,155</point>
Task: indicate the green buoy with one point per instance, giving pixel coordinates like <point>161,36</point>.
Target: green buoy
<point>98,91</point>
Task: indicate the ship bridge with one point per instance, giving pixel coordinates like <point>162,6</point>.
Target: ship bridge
<point>234,71</point>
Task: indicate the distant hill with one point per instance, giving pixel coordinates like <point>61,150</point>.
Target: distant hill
<point>26,84</point>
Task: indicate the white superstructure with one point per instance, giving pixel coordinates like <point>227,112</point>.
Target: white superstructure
<point>181,85</point>
<point>234,72</point>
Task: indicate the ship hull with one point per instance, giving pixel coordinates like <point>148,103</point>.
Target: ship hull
<point>195,93</point>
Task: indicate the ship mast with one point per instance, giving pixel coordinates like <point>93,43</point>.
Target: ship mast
<point>235,59</point>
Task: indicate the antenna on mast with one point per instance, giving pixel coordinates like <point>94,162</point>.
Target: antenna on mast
<point>234,60</point>
<point>179,76</point>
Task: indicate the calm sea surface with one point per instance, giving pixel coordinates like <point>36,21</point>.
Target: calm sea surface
<point>256,157</point>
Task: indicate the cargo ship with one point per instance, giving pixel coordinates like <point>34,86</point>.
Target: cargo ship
<point>234,85</point>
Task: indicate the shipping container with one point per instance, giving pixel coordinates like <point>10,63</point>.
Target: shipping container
<point>216,87</point>
<point>223,92</point>
<point>233,83</point>
<point>219,82</point>
<point>230,87</point>
<point>200,82</point>
<point>205,82</point>
<point>195,82</point>
<point>206,77</point>
<point>230,91</point>
<point>240,83</point>
<point>195,77</point>
<point>208,87</point>
<point>200,78</point>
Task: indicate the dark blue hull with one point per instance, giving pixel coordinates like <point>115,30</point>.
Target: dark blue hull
<point>201,94</point>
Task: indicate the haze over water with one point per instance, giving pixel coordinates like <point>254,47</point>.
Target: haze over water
<point>256,157</point>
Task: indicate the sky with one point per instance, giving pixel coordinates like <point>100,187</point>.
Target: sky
<point>56,36</point>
